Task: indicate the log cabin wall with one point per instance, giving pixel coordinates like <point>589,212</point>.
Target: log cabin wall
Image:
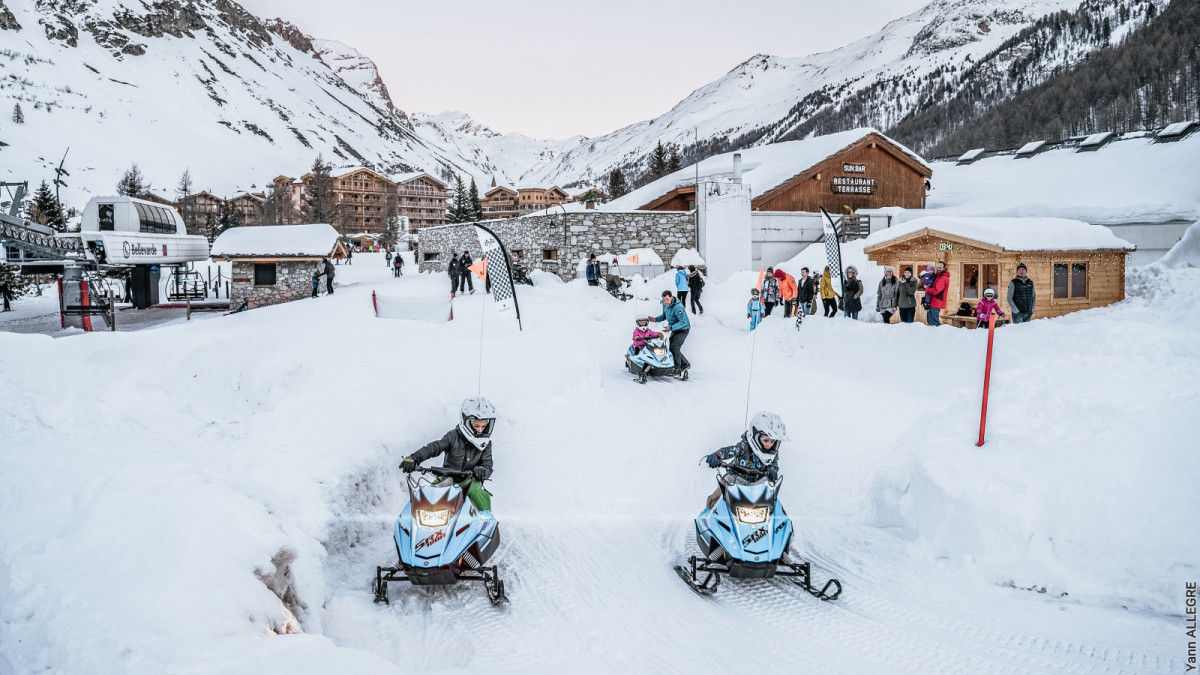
<point>1104,273</point>
<point>883,178</point>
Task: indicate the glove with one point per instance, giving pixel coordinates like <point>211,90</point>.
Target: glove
<point>480,473</point>
<point>747,316</point>
<point>714,460</point>
<point>772,473</point>
<point>408,465</point>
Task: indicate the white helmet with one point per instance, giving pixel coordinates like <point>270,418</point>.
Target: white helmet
<point>768,425</point>
<point>989,293</point>
<point>478,408</point>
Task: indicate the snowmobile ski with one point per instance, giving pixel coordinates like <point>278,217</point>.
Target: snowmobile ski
<point>707,587</point>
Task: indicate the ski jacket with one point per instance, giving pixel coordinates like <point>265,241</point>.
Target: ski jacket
<point>852,290</point>
<point>787,286</point>
<point>806,288</point>
<point>985,307</point>
<point>937,292</point>
<point>640,335</point>
<point>770,290</point>
<point>827,292</point>
<point>455,267</point>
<point>908,293</point>
<point>888,297</point>
<point>1022,297</point>
<point>681,280</point>
<point>675,317</point>
<point>398,262</point>
<point>460,455</point>
<point>740,454</point>
<point>695,281</point>
<point>593,271</point>
<point>755,306</point>
<point>329,269</point>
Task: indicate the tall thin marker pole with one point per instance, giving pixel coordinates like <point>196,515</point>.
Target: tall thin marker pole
<point>987,377</point>
<point>482,311</point>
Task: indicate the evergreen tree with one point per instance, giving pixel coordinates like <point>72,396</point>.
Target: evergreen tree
<point>212,226</point>
<point>132,183</point>
<point>476,205</point>
<point>13,285</point>
<point>460,208</point>
<point>673,162</point>
<point>231,217</point>
<point>277,209</point>
<point>18,116</point>
<point>44,208</point>
<point>391,223</point>
<point>184,188</point>
<point>617,185</point>
<point>658,161</point>
<point>320,203</point>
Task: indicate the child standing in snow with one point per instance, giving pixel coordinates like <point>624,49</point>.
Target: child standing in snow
<point>641,333</point>
<point>985,307</point>
<point>316,279</point>
<point>755,310</point>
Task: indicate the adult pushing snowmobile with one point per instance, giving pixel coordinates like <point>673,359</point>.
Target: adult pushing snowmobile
<point>744,531</point>
<point>447,531</point>
<point>649,354</point>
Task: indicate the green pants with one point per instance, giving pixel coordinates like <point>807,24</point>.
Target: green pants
<point>481,498</point>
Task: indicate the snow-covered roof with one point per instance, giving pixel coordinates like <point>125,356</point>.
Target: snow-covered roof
<point>763,168</point>
<point>971,154</point>
<point>1126,181</point>
<point>1096,139</point>
<point>277,240</point>
<point>1175,129</point>
<point>1030,147</point>
<point>1011,234</point>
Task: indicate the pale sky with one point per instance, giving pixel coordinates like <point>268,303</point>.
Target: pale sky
<point>552,69</point>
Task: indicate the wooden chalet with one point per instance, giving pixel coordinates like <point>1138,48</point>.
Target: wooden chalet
<point>1074,265</point>
<point>500,202</point>
<point>531,199</point>
<point>422,198</point>
<point>250,205</point>
<point>859,169</point>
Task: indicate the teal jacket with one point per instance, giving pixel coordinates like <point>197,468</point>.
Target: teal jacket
<point>675,317</point>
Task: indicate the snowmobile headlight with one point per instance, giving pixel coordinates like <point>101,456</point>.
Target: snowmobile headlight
<point>752,514</point>
<point>659,352</point>
<point>434,518</point>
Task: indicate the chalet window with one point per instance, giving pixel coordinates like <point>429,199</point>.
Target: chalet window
<point>549,254</point>
<point>431,256</point>
<point>264,274</point>
<point>1070,280</point>
<point>970,281</point>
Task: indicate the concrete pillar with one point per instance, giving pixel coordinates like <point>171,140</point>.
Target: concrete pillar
<point>723,213</point>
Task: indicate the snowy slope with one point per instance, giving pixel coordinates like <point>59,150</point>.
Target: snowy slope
<point>203,86</point>
<point>219,455</point>
<point>508,157</point>
<point>903,64</point>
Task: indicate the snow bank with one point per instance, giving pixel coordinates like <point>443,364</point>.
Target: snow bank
<point>1185,252</point>
<point>687,256</point>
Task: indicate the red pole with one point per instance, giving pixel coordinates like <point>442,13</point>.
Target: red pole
<point>375,304</point>
<point>987,378</point>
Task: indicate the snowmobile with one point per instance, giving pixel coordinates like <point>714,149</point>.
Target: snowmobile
<point>653,359</point>
<point>520,275</point>
<point>441,538</point>
<point>747,535</point>
<point>613,285</point>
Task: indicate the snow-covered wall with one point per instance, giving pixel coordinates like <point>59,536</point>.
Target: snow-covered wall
<point>725,229</point>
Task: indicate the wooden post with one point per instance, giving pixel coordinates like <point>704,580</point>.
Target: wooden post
<point>112,311</point>
<point>375,304</point>
<point>987,377</point>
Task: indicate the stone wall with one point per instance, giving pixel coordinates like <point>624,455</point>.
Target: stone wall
<point>293,281</point>
<point>574,235</point>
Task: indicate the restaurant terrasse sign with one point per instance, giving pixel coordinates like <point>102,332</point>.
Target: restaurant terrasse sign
<point>855,185</point>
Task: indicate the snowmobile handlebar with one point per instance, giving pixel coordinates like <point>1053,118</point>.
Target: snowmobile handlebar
<point>443,472</point>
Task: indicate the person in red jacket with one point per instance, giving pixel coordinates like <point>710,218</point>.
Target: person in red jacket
<point>937,295</point>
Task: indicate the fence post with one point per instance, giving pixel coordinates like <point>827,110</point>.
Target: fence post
<point>987,377</point>
<point>112,311</point>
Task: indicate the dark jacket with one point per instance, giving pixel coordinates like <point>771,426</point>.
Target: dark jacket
<point>852,290</point>
<point>908,293</point>
<point>455,267</point>
<point>459,454</point>
<point>1022,297</point>
<point>593,271</point>
<point>806,289</point>
<point>740,454</point>
<point>695,281</point>
<point>329,269</point>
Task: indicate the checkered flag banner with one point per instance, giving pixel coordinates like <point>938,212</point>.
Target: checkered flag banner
<point>498,269</point>
<point>833,252</point>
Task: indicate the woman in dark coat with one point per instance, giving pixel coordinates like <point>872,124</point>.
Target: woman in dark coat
<point>907,302</point>
<point>695,285</point>
<point>852,290</point>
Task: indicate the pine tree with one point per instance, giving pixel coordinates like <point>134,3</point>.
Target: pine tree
<point>44,208</point>
<point>391,223</point>
<point>658,161</point>
<point>673,162</point>
<point>476,205</point>
<point>277,209</point>
<point>230,217</point>
<point>212,226</point>
<point>183,189</point>
<point>617,185</point>
<point>18,116</point>
<point>320,204</point>
<point>132,183</point>
<point>460,209</point>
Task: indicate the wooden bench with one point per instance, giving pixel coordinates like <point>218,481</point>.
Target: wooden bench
<point>967,321</point>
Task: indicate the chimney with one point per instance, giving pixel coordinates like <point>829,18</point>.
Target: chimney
<point>590,204</point>
<point>737,167</point>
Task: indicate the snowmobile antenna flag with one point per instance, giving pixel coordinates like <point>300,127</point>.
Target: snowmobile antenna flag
<point>833,251</point>
<point>498,268</point>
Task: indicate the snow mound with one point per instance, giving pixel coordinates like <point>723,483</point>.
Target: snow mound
<point>1185,252</point>
<point>687,256</point>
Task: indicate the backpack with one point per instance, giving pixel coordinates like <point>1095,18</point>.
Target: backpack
<point>699,280</point>
<point>965,310</point>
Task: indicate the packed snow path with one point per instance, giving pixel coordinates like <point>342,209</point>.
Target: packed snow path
<point>211,447</point>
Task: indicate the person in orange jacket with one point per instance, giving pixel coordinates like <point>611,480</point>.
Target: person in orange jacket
<point>787,291</point>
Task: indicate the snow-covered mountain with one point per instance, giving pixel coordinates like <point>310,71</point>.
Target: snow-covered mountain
<point>931,54</point>
<point>201,85</point>
<point>508,156</point>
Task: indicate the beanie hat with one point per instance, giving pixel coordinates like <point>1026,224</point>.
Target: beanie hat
<point>929,268</point>
<point>1021,266</point>
<point>779,274</point>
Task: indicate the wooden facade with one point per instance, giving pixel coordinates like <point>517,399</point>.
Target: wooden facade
<point>363,196</point>
<point>423,199</point>
<point>250,205</point>
<point>531,199</point>
<point>499,202</point>
<point>1065,281</point>
<point>870,173</point>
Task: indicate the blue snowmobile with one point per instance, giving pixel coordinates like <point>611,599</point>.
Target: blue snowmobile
<point>747,535</point>
<point>447,541</point>
<point>653,359</point>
